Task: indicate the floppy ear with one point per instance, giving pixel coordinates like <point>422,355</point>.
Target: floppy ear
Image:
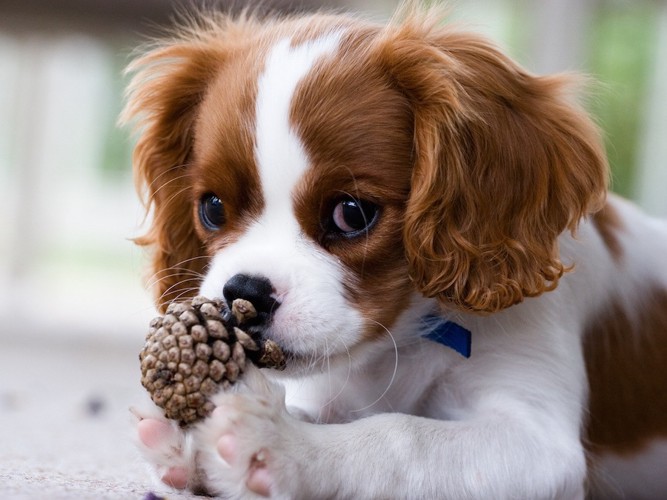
<point>169,83</point>
<point>503,165</point>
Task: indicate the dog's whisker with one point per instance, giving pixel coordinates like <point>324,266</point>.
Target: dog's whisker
<point>175,285</point>
<point>163,301</point>
<point>182,292</point>
<point>173,273</point>
<point>343,386</point>
<point>176,270</point>
<point>166,185</point>
<point>393,375</point>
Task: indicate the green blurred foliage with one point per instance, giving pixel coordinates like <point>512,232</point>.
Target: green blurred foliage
<point>117,161</point>
<point>621,50</point>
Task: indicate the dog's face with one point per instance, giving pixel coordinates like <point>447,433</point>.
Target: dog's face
<point>334,170</point>
<point>312,202</point>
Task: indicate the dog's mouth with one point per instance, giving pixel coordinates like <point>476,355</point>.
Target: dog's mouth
<point>260,331</point>
<point>295,363</point>
<point>298,360</point>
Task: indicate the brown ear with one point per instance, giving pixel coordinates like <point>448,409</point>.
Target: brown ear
<point>504,164</point>
<point>168,84</point>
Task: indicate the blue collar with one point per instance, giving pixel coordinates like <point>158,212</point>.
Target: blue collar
<point>448,333</point>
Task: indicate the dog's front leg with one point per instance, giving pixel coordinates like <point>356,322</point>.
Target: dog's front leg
<point>251,446</point>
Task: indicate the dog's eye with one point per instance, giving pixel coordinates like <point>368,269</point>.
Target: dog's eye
<point>351,217</point>
<point>211,212</point>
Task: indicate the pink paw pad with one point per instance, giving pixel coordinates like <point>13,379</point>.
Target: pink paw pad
<point>176,477</point>
<point>153,433</point>
<point>259,478</point>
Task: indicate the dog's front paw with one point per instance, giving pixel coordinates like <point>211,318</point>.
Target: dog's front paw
<point>164,447</point>
<point>168,451</point>
<point>246,444</point>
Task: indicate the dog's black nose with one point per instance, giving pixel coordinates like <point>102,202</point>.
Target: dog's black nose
<point>256,289</point>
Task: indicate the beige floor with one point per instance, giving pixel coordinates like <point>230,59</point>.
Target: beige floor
<point>65,428</point>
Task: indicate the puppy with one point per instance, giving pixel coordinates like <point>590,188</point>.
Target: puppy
<point>465,312</point>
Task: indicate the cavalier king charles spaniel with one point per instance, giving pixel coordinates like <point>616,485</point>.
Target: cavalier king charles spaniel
<point>426,226</point>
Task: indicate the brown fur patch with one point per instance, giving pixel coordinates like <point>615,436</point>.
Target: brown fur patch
<point>609,224</point>
<point>626,360</point>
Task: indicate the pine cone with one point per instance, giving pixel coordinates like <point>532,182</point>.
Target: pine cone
<point>197,347</point>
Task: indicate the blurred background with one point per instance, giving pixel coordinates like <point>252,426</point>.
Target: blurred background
<point>67,203</point>
<point>73,302</point>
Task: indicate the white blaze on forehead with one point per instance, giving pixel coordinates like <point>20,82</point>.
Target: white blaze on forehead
<point>280,156</point>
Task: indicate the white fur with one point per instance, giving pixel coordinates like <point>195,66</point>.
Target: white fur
<point>409,418</point>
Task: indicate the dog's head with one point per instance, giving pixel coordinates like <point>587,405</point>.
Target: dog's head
<point>331,168</point>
